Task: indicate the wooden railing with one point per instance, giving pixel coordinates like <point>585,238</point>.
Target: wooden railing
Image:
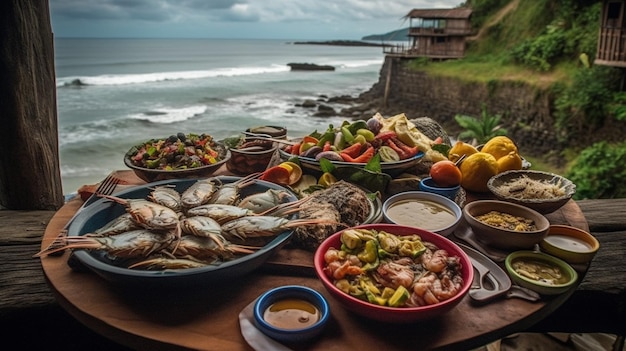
<point>407,51</point>
<point>418,31</point>
<point>612,47</point>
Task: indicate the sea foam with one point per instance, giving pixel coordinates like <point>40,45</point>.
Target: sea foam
<point>124,79</point>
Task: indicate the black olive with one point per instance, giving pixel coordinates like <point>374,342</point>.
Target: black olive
<point>182,136</point>
<point>172,138</point>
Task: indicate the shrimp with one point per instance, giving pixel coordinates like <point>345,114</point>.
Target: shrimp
<point>148,214</point>
<point>435,261</point>
<point>423,289</point>
<point>118,225</point>
<point>219,212</point>
<point>447,286</point>
<point>264,201</point>
<point>203,227</point>
<point>206,249</point>
<point>339,270</point>
<point>132,244</point>
<point>262,226</point>
<point>163,263</point>
<point>228,194</point>
<point>431,289</point>
<point>393,274</point>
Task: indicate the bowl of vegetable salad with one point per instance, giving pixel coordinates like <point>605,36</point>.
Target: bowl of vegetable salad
<point>393,273</point>
<point>178,156</point>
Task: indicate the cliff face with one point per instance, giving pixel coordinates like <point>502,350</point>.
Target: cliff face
<point>526,110</point>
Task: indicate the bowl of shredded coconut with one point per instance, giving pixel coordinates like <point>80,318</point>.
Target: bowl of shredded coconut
<point>543,192</point>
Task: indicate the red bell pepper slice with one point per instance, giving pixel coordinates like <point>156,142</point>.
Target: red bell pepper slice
<point>353,150</point>
<point>362,158</point>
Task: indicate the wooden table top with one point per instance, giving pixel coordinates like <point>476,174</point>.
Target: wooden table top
<point>207,318</point>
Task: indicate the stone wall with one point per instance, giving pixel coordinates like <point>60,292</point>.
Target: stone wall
<point>525,110</point>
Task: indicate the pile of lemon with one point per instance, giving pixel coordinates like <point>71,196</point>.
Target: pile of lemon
<point>499,154</point>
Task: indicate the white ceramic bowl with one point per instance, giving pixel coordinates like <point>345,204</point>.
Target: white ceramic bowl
<point>424,210</point>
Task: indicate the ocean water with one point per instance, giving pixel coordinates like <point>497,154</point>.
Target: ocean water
<point>114,93</point>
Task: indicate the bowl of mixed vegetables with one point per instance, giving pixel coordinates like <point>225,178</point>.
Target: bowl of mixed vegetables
<point>355,144</point>
<point>178,156</point>
<point>393,273</point>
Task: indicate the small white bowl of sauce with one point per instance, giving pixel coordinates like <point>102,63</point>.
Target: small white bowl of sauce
<point>424,210</point>
<point>291,313</point>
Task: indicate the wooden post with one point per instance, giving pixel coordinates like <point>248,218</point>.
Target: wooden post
<point>30,177</point>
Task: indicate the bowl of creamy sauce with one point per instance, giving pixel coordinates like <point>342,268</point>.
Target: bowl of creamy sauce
<point>570,244</point>
<point>540,272</point>
<point>291,313</point>
<point>424,210</point>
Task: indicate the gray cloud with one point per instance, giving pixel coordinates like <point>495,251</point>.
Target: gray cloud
<point>69,15</point>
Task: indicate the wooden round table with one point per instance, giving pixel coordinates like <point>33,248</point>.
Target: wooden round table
<point>207,318</point>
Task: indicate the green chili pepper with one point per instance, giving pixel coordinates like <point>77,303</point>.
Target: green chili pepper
<point>369,254</point>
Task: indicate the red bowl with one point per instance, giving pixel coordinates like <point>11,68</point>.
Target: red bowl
<point>396,314</point>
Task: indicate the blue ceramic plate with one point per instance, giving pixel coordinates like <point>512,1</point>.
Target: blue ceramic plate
<point>103,211</point>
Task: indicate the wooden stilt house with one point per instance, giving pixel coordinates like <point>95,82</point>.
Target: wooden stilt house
<point>435,34</point>
<point>612,38</point>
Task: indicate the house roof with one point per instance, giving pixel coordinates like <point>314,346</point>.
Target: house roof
<point>461,12</point>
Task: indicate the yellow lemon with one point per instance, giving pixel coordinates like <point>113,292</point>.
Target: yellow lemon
<point>512,161</point>
<point>459,149</point>
<point>295,172</point>
<point>477,169</point>
<point>327,179</point>
<point>499,146</point>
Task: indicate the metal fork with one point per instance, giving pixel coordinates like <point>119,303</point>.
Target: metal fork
<point>107,187</point>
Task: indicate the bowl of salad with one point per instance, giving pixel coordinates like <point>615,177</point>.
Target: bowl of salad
<point>178,156</point>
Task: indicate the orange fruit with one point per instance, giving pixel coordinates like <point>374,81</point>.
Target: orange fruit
<point>445,173</point>
<point>295,172</point>
<point>476,170</point>
<point>499,146</point>
<point>459,149</point>
<point>512,161</point>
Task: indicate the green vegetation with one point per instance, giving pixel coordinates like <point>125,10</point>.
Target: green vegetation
<point>599,172</point>
<point>549,44</point>
<point>480,130</point>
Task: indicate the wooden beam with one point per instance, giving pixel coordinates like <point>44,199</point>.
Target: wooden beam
<point>30,176</point>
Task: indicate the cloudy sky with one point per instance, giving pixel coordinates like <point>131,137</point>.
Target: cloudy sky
<point>242,19</point>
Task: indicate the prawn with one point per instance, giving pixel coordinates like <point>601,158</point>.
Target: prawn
<point>228,194</point>
<point>148,214</point>
<point>132,244</point>
<point>261,202</point>
<point>435,261</point>
<point>263,226</point>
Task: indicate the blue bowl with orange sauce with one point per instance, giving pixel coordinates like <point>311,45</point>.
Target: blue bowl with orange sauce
<point>291,313</point>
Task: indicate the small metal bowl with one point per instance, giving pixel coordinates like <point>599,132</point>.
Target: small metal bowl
<point>314,301</point>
